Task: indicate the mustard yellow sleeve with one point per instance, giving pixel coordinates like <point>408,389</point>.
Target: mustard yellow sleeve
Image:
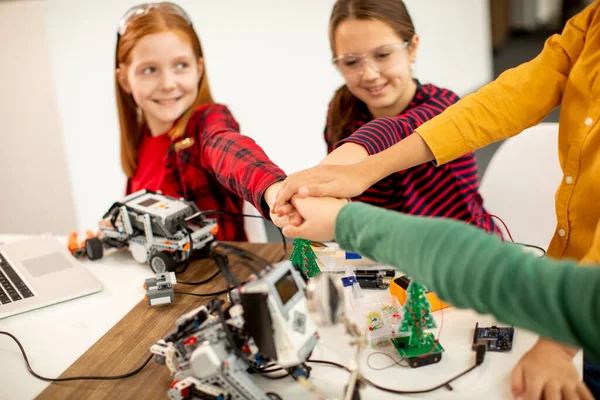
<point>593,255</point>
<point>521,97</point>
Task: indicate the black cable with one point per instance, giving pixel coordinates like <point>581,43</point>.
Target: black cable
<point>217,247</point>
<point>245,254</point>
<point>190,250</point>
<point>74,378</point>
<point>218,306</point>
<point>227,249</point>
<point>284,245</point>
<point>210,278</point>
<point>441,385</point>
<point>205,294</point>
<point>325,362</point>
<point>445,384</point>
<point>532,246</point>
<point>273,368</point>
<point>265,375</point>
<point>215,212</point>
<point>223,264</point>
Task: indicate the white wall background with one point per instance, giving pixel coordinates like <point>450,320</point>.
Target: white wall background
<point>34,183</point>
<point>268,61</point>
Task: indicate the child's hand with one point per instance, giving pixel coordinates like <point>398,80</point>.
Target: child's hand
<point>343,181</point>
<point>319,216</point>
<point>547,372</point>
<point>290,217</point>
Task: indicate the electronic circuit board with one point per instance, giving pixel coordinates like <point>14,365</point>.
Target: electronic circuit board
<point>495,338</point>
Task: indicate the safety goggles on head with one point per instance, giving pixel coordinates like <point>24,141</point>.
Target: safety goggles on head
<point>142,9</point>
<point>380,59</point>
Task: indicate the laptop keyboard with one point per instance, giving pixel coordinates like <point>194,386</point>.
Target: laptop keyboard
<point>12,287</point>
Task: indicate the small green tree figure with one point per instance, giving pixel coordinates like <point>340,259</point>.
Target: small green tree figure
<point>419,347</point>
<point>304,258</point>
<point>417,314</point>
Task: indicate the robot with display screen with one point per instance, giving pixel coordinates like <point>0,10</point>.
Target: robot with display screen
<point>215,347</point>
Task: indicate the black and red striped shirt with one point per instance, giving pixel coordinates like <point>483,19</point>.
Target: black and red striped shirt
<point>448,191</point>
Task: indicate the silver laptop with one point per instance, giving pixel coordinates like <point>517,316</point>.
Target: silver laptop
<point>38,272</point>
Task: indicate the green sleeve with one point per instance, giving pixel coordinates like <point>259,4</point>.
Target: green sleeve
<point>472,269</point>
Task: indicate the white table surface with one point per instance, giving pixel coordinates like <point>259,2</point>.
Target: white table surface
<point>56,336</point>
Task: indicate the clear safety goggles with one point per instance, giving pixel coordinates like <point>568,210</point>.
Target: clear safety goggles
<point>380,59</point>
<point>142,9</point>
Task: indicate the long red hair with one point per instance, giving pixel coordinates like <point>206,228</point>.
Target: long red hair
<point>131,119</point>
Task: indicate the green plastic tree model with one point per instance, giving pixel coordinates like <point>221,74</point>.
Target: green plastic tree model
<point>304,258</point>
<point>417,315</point>
<point>417,318</point>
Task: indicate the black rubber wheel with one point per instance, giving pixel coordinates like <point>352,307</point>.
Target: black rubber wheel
<point>162,262</point>
<point>94,248</point>
<point>273,396</point>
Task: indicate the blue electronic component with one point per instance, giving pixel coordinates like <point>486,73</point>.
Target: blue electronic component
<point>352,256</point>
<point>349,281</point>
<point>493,337</point>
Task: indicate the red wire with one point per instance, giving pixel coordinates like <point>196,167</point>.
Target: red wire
<point>435,341</point>
<point>414,318</point>
<point>494,216</point>
<point>441,323</point>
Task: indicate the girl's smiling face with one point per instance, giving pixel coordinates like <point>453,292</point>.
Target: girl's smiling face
<point>162,75</point>
<point>375,63</point>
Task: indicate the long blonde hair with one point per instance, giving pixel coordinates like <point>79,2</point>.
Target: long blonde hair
<point>131,120</point>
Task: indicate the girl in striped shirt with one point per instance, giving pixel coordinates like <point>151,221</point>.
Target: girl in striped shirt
<point>374,43</point>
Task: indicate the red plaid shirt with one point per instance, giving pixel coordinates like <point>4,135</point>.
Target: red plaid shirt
<point>219,170</point>
<point>449,191</point>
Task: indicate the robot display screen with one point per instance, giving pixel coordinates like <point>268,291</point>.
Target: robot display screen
<point>286,287</point>
<point>148,202</point>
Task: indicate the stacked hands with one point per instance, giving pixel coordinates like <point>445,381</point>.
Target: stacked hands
<point>308,202</point>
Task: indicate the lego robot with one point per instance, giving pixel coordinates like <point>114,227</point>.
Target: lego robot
<point>159,290</point>
<point>214,347</point>
<point>158,229</point>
